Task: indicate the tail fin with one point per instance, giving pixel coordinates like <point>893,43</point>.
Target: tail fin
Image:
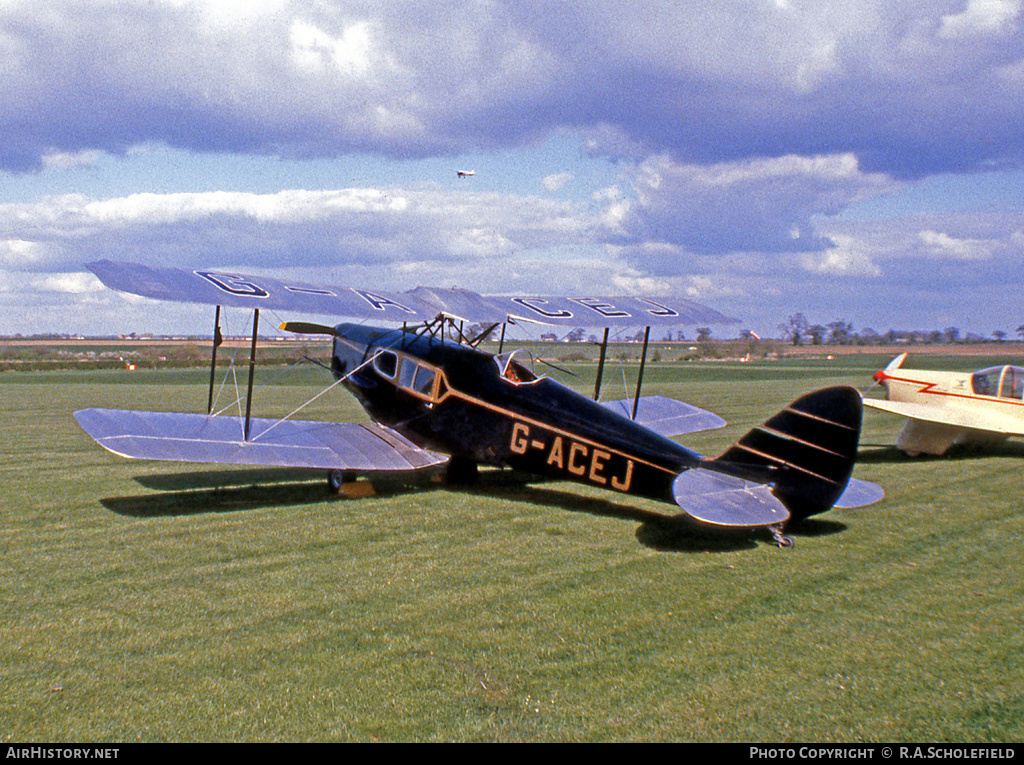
<point>806,451</point>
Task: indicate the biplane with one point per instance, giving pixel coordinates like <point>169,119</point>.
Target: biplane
<point>437,399</point>
<point>945,409</point>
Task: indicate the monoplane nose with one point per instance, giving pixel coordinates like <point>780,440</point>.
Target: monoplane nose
<point>881,378</point>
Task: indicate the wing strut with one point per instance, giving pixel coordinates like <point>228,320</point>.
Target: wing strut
<point>600,366</point>
<point>252,369</point>
<point>217,340</point>
<point>640,376</point>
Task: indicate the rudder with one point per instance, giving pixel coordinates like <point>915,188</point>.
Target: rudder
<point>806,451</point>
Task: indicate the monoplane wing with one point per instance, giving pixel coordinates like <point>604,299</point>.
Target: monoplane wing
<point>218,287</point>
<point>219,439</point>
<point>974,420</point>
<point>666,416</point>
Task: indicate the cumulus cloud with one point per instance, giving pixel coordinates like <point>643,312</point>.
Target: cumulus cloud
<point>943,245</point>
<point>910,88</point>
<point>847,256</point>
<point>982,17</point>
<point>761,205</point>
<point>298,228</point>
<point>556,181</point>
<point>740,133</point>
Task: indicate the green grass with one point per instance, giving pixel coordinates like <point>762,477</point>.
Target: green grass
<point>155,602</point>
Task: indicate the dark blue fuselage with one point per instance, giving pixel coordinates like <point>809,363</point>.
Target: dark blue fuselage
<point>488,409</point>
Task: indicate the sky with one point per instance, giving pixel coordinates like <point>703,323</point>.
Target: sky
<point>855,160</point>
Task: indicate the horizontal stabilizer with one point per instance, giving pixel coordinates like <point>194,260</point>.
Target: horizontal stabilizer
<point>807,450</point>
<point>726,500</point>
<point>291,443</point>
<point>666,416</point>
<point>859,493</point>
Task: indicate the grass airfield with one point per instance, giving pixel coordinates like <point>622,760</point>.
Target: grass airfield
<point>173,602</point>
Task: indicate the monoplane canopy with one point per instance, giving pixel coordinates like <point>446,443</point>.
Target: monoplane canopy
<point>216,287</point>
<point>1005,382</point>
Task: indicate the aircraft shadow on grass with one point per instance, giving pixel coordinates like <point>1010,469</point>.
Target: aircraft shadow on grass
<point>219,491</point>
<point>886,454</point>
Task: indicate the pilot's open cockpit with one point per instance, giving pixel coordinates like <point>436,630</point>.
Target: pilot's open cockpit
<point>1004,382</point>
<point>512,371</point>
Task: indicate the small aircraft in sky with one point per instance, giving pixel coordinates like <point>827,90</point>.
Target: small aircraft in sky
<point>437,399</point>
<point>465,173</point>
<point>944,409</point>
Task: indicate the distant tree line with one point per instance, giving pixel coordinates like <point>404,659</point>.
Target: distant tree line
<point>798,330</point>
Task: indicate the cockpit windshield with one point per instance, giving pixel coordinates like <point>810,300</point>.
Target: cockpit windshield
<point>512,371</point>
<point>1004,382</point>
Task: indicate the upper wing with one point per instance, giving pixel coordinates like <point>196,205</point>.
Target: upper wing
<point>666,416</point>
<point>622,311</point>
<point>291,443</point>
<point>215,287</point>
<point>970,419</point>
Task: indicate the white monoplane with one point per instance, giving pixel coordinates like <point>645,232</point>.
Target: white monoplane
<point>944,409</point>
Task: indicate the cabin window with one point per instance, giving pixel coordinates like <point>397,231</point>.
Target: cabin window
<point>420,379</point>
<point>408,373</point>
<point>424,382</point>
<point>386,363</point>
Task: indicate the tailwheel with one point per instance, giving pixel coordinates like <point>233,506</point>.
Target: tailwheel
<point>780,539</point>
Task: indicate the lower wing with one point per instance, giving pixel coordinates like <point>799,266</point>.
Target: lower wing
<point>283,443</point>
<point>666,416</point>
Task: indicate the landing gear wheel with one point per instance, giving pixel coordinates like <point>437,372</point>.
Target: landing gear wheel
<point>338,478</point>
<point>780,539</point>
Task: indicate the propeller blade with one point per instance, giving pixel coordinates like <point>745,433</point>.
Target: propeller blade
<point>892,366</point>
<point>306,328</point>
<point>895,363</point>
